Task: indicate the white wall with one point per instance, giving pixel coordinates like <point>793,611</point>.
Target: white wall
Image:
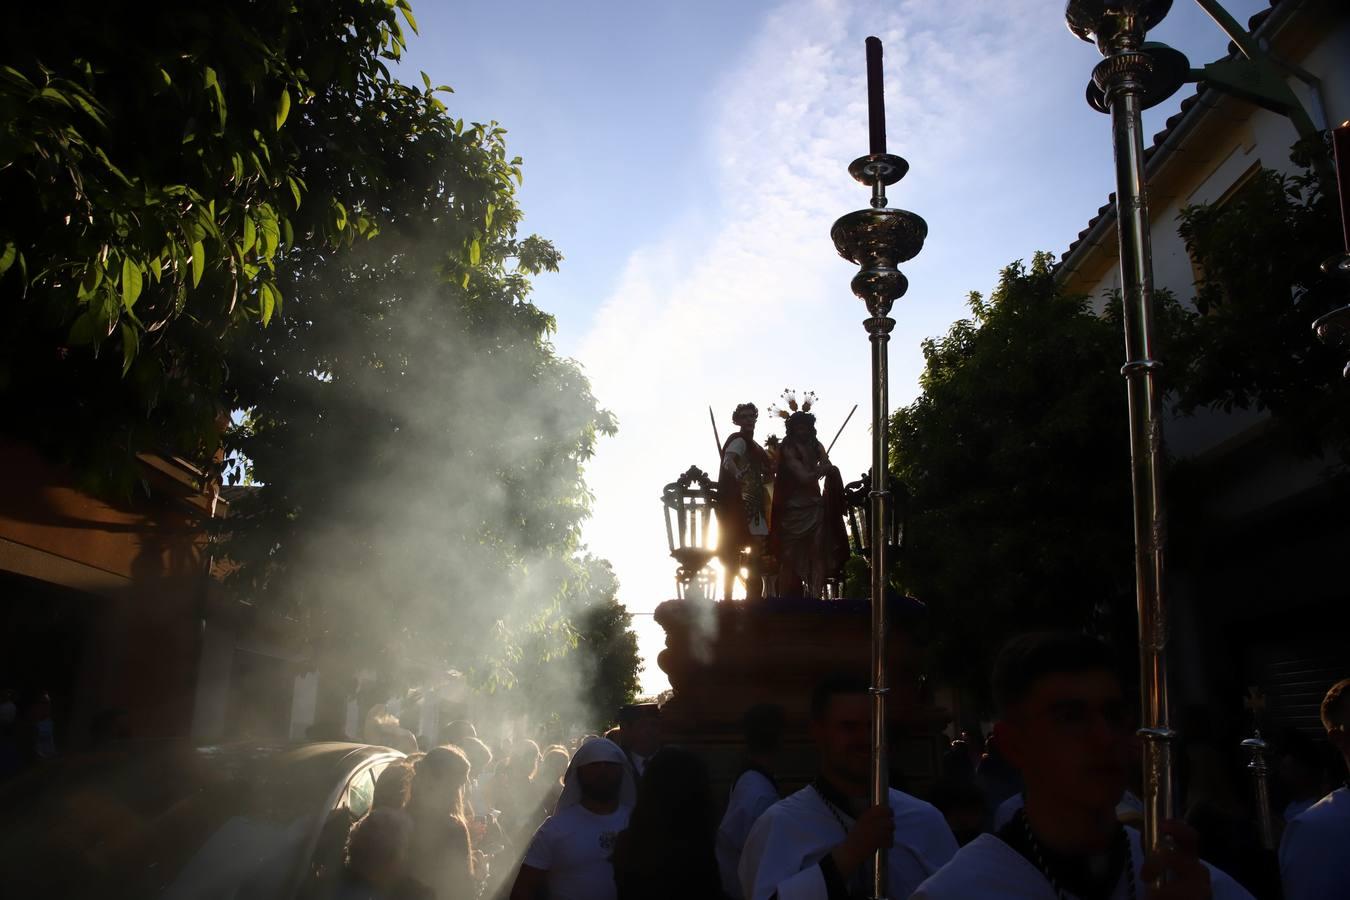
<point>1249,137</point>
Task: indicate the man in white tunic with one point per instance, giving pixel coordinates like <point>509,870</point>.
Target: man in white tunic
<point>754,791</point>
<point>1315,849</point>
<point>1066,725</point>
<point>569,856</point>
<point>816,844</point>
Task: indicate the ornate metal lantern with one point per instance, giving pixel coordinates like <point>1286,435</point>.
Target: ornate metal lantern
<point>858,507</point>
<point>689,502</point>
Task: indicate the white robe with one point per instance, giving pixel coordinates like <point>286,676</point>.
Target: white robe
<point>1315,850</point>
<point>784,849</point>
<point>752,794</point>
<point>987,867</point>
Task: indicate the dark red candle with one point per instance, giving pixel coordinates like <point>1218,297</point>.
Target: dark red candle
<point>876,98</point>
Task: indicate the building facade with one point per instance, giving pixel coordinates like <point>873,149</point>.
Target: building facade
<point>1256,598</point>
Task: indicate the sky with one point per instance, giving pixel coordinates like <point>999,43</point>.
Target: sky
<point>689,159</point>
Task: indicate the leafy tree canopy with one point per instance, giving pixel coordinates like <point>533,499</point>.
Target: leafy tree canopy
<point>156,161</point>
<point>1259,291</point>
<point>240,211</point>
<point>584,685</point>
<point>1016,461</point>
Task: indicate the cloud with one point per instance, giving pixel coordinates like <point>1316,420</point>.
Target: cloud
<point>737,303</point>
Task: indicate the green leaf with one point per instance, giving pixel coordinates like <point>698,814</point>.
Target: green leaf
<point>426,80</point>
<point>475,252</point>
<point>131,282</point>
<point>271,232</point>
<point>7,256</point>
<point>89,108</point>
<point>52,94</point>
<point>131,344</point>
<point>117,173</point>
<point>295,189</point>
<point>212,83</point>
<point>269,299</point>
<point>283,107</point>
<point>85,329</point>
<point>250,233</point>
<point>198,262</point>
<point>408,14</point>
<point>13,74</point>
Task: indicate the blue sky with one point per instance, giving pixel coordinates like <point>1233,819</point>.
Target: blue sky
<point>689,159</point>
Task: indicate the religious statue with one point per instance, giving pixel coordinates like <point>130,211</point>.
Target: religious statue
<point>806,536</point>
<point>742,503</point>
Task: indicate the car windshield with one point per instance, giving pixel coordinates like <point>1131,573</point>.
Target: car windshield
<point>204,822</point>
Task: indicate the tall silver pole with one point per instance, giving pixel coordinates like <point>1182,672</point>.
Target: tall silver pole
<point>877,240</point>
<point>1129,78</point>
<point>879,328</point>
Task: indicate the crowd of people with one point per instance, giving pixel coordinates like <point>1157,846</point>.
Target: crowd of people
<point>1046,806</point>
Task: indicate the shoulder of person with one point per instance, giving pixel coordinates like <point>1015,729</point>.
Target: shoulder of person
<point>1331,810</point>
<point>1222,885</point>
<point>911,806</point>
<point>752,781</point>
<point>986,867</point>
<point>785,817</point>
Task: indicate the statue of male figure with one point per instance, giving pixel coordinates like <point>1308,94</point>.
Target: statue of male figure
<point>807,537</point>
<point>742,513</point>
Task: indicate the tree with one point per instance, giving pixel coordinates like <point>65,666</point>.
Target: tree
<point>417,439</point>
<point>583,683</point>
<point>1016,460</point>
<point>170,176</point>
<point>156,161</point>
<point>1260,289</point>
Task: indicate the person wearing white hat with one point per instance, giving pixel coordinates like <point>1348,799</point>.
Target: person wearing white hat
<point>569,856</point>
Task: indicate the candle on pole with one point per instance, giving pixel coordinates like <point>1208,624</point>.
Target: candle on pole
<point>878,239</point>
<point>876,98</point>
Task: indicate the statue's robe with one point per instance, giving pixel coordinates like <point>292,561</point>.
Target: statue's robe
<point>806,533</point>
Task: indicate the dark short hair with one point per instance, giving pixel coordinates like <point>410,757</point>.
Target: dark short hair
<point>1028,658</point>
<point>634,711</point>
<point>455,732</point>
<point>744,408</point>
<point>833,685</point>
<point>1336,706</point>
<point>480,756</point>
<point>393,789</point>
<point>763,725</point>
